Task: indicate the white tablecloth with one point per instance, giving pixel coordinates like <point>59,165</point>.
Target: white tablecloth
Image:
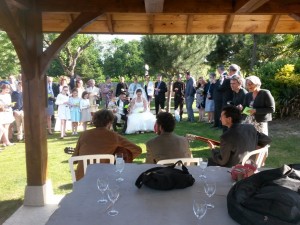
<point>143,206</point>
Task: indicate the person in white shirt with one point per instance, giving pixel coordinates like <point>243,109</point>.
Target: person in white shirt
<point>94,95</point>
<point>149,89</point>
<point>85,109</point>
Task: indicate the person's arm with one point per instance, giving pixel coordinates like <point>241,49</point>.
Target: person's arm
<point>59,100</point>
<point>150,88</point>
<point>222,155</point>
<point>145,105</point>
<point>131,147</point>
<point>149,156</point>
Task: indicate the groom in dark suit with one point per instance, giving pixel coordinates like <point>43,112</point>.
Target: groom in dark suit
<point>160,89</point>
<point>121,111</point>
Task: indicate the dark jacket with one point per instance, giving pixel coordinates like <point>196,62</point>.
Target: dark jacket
<point>270,197</point>
<point>264,105</point>
<point>227,93</point>
<point>238,98</point>
<point>163,89</point>
<point>181,88</point>
<point>236,142</point>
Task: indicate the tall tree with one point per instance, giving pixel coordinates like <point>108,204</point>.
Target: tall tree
<point>69,55</point>
<point>172,54</point>
<point>9,63</point>
<point>123,58</point>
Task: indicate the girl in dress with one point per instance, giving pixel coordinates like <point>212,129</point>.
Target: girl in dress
<point>63,111</point>
<point>6,113</point>
<point>85,109</point>
<point>209,101</point>
<point>140,118</point>
<point>74,103</point>
<point>200,98</point>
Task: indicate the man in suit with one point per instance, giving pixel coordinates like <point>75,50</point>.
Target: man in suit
<point>190,96</point>
<point>178,89</point>
<point>160,89</point>
<point>121,112</point>
<point>121,87</point>
<point>166,145</point>
<point>237,141</point>
<point>218,97</point>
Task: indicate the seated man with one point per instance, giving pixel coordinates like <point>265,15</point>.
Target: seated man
<point>166,145</point>
<point>101,140</point>
<point>121,112</point>
<point>237,140</point>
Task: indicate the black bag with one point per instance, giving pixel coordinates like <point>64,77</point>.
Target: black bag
<point>166,178</point>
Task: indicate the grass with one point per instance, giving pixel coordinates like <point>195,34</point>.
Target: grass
<point>284,149</point>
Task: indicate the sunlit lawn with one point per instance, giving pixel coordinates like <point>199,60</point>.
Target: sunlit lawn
<point>13,169</point>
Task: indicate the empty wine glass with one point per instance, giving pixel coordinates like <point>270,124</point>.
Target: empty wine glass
<point>113,195</point>
<point>210,189</point>
<point>203,165</point>
<point>120,164</point>
<point>102,185</point>
<point>199,209</point>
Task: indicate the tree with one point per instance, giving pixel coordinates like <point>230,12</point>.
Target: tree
<point>123,59</point>
<point>69,56</point>
<point>9,63</point>
<point>173,54</point>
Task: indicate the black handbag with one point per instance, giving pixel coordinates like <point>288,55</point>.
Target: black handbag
<point>166,178</point>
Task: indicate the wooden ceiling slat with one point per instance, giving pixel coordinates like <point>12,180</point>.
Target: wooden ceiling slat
<point>109,23</point>
<point>228,23</point>
<point>249,6</point>
<point>295,16</point>
<point>20,4</point>
<point>273,24</point>
<point>151,23</point>
<point>189,25</point>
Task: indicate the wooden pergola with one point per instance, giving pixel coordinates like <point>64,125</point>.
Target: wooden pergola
<point>25,21</point>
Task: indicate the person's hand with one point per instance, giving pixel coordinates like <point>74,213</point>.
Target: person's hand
<point>240,107</point>
<point>176,89</point>
<point>211,145</point>
<point>252,111</point>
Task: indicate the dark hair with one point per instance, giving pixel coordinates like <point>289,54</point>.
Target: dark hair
<point>83,94</point>
<point>233,112</point>
<point>103,117</point>
<point>4,86</point>
<point>139,90</point>
<point>221,67</point>
<point>166,121</point>
<point>74,89</point>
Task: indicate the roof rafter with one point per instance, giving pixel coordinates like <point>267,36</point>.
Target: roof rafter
<point>249,6</point>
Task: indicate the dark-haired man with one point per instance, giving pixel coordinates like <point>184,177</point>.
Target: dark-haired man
<point>160,89</point>
<point>237,141</point>
<point>121,112</point>
<point>166,145</point>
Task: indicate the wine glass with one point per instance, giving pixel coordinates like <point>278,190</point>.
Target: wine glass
<point>199,209</point>
<point>120,164</point>
<point>203,165</point>
<point>210,189</point>
<point>113,195</point>
<point>102,184</point>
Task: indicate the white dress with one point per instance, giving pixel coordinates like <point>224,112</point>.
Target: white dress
<point>139,120</point>
<point>63,112</point>
<point>7,116</point>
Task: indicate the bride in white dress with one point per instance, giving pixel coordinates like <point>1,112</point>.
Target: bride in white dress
<point>140,119</point>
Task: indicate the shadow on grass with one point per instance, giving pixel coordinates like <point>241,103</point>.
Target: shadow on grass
<point>66,187</point>
<point>8,207</point>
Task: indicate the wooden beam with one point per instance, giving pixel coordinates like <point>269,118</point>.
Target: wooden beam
<point>83,20</point>
<point>109,23</point>
<point>295,16</point>
<point>249,6</point>
<point>20,4</point>
<point>9,25</point>
<point>273,24</point>
<point>189,24</point>
<point>228,23</point>
<point>151,23</point>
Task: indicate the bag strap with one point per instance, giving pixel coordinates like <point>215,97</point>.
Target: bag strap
<point>183,167</point>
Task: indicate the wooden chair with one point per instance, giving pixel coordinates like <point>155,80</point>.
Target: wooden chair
<point>260,156</point>
<point>185,161</point>
<point>88,159</point>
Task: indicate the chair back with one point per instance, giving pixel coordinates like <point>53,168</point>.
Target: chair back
<point>260,156</point>
<point>185,161</point>
<point>88,159</point>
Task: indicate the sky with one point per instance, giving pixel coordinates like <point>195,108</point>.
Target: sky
<point>109,37</point>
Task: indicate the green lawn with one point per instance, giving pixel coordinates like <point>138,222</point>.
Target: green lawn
<point>284,149</point>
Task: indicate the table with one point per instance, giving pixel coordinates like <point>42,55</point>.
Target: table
<point>143,206</point>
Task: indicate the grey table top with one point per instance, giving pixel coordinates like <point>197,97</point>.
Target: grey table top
<point>143,206</point>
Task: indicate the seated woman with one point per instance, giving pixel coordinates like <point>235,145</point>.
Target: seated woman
<point>140,119</point>
<point>101,140</point>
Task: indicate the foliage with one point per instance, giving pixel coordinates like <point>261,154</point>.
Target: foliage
<point>9,63</point>
<point>79,55</point>
<point>280,78</point>
<point>173,54</point>
<point>123,59</point>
